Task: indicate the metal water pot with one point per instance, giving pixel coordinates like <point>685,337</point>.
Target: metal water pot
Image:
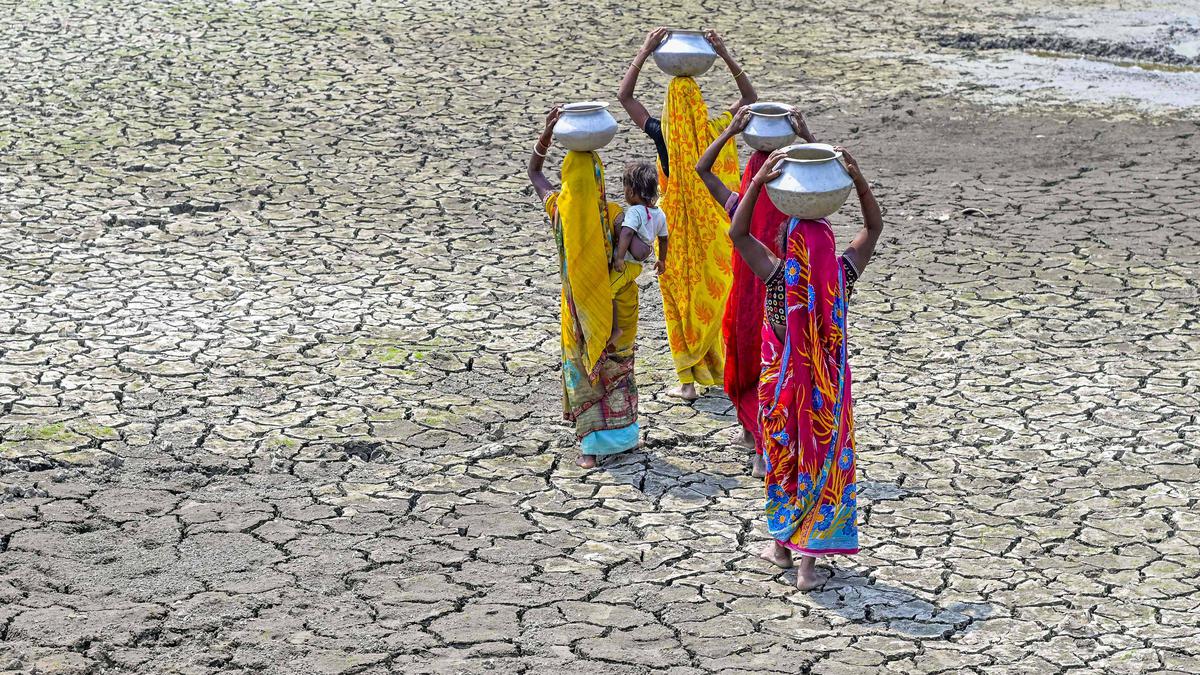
<point>769,127</point>
<point>813,183</point>
<point>684,53</point>
<point>585,126</point>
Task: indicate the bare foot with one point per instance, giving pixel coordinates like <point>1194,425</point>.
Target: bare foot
<point>758,468</point>
<point>742,436</point>
<point>616,335</point>
<point>586,462</point>
<point>776,554</point>
<point>806,574</point>
<point>686,392</point>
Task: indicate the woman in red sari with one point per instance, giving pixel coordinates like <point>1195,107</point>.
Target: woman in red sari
<point>804,389</point>
<point>744,308</point>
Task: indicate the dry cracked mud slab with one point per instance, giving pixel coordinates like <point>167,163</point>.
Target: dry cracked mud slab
<point>278,386</point>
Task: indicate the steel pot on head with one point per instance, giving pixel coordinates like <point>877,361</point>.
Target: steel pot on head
<point>769,127</point>
<point>585,126</point>
<point>813,183</point>
<point>685,53</point>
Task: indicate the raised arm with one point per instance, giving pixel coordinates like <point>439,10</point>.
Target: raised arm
<point>800,125</point>
<point>637,112</point>
<point>745,89</point>
<point>754,252</point>
<point>863,245</point>
<point>704,165</point>
<point>540,184</point>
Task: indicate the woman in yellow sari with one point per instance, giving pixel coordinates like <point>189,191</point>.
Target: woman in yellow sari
<point>599,393</point>
<point>699,271</point>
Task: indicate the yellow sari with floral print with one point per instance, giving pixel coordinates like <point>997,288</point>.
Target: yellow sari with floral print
<point>699,269</point>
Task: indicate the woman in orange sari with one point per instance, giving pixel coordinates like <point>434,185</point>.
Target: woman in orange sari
<point>698,276</point>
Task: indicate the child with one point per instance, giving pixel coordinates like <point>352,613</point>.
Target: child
<point>643,223</point>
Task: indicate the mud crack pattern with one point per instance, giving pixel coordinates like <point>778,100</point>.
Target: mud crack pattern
<point>278,347</point>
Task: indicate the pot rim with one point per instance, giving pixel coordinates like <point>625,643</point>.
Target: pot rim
<point>833,154</point>
<point>584,106</point>
<point>753,107</point>
<point>683,31</point>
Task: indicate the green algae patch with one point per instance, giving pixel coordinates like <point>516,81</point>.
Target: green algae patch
<point>280,442</point>
<point>389,355</point>
<point>97,431</point>
<point>48,432</point>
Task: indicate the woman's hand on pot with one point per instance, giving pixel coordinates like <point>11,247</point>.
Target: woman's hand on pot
<point>769,170</point>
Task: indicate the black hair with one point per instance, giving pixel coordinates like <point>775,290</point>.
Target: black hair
<point>642,179</point>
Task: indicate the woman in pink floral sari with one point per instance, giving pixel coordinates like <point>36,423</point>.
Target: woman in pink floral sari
<point>804,391</point>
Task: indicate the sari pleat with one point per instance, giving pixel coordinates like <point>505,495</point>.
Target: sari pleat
<point>807,421</point>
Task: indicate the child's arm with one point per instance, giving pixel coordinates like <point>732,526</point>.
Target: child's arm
<point>637,112</point>
<point>704,165</point>
<point>863,245</point>
<point>623,239</point>
<point>746,92</point>
<point>661,265</point>
<point>753,251</point>
<point>540,184</point>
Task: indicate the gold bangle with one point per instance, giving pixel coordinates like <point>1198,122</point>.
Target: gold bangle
<point>740,73</point>
<point>635,65</point>
<point>539,154</point>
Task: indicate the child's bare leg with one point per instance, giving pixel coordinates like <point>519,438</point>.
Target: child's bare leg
<point>640,249</point>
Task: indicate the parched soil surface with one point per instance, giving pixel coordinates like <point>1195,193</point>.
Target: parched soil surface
<point>279,346</point>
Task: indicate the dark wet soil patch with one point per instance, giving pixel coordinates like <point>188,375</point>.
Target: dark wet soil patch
<point>365,450</point>
<point>1060,44</point>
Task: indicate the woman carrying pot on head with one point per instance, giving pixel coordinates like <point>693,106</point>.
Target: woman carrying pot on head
<point>742,326</point>
<point>804,392</point>
<point>599,393</point>
<point>698,275</point>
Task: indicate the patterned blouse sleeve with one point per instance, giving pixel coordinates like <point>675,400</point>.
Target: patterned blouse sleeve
<point>850,273</point>
<point>731,204</point>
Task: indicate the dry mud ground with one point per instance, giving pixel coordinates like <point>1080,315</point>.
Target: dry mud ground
<point>278,348</point>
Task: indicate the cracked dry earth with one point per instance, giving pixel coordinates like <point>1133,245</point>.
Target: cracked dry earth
<point>278,348</point>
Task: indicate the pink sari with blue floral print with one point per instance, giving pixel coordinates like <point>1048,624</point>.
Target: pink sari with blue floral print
<point>804,393</point>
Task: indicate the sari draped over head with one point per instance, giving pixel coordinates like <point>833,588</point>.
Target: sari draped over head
<point>742,326</point>
<point>698,272</point>
<point>807,422</point>
<point>599,393</point>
